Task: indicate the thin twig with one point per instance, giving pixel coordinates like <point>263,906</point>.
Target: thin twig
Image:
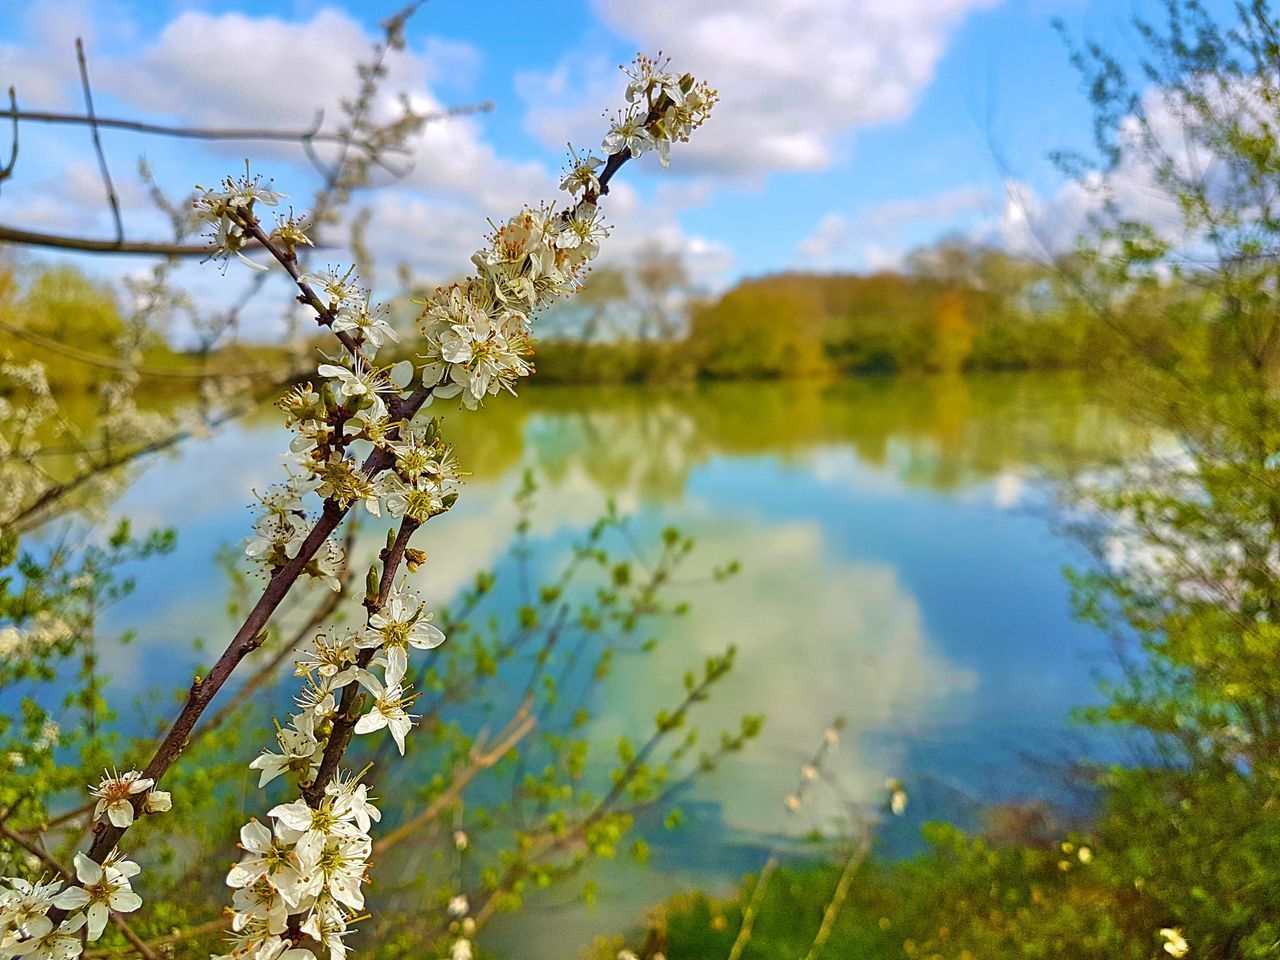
<point>521,725</point>
<point>268,669</point>
<point>752,908</point>
<point>212,926</point>
<point>344,722</point>
<point>26,516</point>
<point>112,199</point>
<point>838,897</point>
<point>7,170</point>
<point>325,315</point>
<point>35,238</point>
<point>141,369</point>
<point>562,840</point>
<point>312,133</point>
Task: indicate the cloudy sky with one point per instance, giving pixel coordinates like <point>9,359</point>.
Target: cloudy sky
<point>848,132</point>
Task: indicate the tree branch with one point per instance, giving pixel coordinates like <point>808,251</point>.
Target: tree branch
<point>250,635</point>
<point>34,238</point>
<point>313,133</point>
<point>112,199</point>
<point>521,725</point>
<point>6,171</point>
<point>344,721</point>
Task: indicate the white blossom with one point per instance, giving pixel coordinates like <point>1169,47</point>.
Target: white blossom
<point>388,710</point>
<point>269,858</point>
<point>627,132</point>
<point>298,751</point>
<point>63,942</point>
<point>101,891</point>
<point>115,796</point>
<point>581,177</point>
<point>23,906</point>
<point>402,622</point>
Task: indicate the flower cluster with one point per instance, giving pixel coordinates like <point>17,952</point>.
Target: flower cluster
<point>462,925</point>
<point>476,334</point>
<point>26,930</point>
<point>303,876</point>
<point>226,210</point>
<point>663,107</point>
<point>310,865</point>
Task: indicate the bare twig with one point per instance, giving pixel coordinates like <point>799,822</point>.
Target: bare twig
<point>112,199</point>
<point>212,926</point>
<point>141,369</point>
<point>838,897</point>
<point>479,759</point>
<point>35,238</point>
<point>752,908</point>
<point>6,171</point>
<point>28,515</point>
<point>289,260</point>
<point>318,616</point>
<point>563,840</point>
<point>312,133</point>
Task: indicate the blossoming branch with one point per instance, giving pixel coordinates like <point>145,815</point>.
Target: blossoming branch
<point>298,888</point>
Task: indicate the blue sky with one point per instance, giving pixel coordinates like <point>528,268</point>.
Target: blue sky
<point>849,131</point>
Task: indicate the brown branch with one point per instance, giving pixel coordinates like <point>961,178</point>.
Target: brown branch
<point>268,669</point>
<point>313,133</point>
<point>521,725</point>
<point>34,238</point>
<point>289,260</point>
<point>211,926</point>
<point>250,635</point>
<point>479,759</point>
<point>251,686</point>
<point>344,721</point>
<point>6,171</point>
<point>247,639</point>
<point>112,199</point>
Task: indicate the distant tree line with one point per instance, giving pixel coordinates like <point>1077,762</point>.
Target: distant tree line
<point>953,307</point>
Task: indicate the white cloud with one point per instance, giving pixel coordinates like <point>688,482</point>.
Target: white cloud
<point>1039,225</point>
<point>43,66</point>
<point>795,77</point>
<point>831,237</point>
<point>234,69</point>
<point>940,206</point>
<point>242,70</point>
<point>875,239</point>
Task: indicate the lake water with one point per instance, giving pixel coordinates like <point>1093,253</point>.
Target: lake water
<point>900,567</point>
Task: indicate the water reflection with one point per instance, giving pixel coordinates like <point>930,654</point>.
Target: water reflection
<point>895,571</point>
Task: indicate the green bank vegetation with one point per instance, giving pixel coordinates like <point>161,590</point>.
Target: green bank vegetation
<point>76,326</point>
<point>955,307</point>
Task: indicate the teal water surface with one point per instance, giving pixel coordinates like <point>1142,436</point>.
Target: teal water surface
<point>900,568</point>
